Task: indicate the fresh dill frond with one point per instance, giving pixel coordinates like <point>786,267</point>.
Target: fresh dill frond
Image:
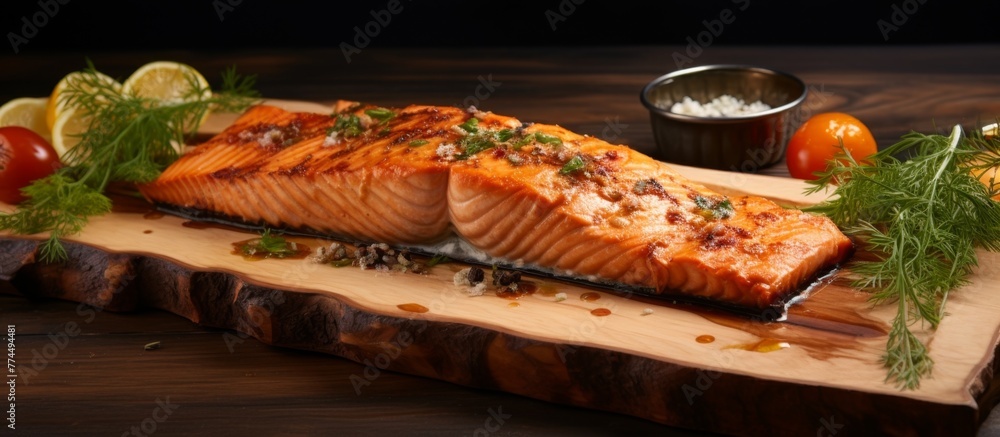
<point>129,139</point>
<point>269,245</point>
<point>58,204</point>
<point>923,218</point>
<point>274,244</point>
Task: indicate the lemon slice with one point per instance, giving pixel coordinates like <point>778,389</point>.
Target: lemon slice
<point>167,81</point>
<point>27,112</point>
<point>170,83</point>
<point>57,104</point>
<point>67,131</point>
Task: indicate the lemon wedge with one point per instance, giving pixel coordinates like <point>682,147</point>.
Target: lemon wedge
<point>57,104</point>
<point>27,112</point>
<point>68,128</point>
<point>170,83</point>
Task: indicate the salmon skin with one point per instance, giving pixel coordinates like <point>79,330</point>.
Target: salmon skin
<point>527,194</point>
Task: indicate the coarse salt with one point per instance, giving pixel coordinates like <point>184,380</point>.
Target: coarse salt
<point>331,140</point>
<point>447,151</point>
<point>722,106</point>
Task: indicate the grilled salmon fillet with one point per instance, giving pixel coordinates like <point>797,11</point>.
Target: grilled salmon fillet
<point>526,193</point>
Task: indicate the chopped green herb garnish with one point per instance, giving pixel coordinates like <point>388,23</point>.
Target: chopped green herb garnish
<point>343,262</point>
<point>383,115</point>
<point>385,131</point>
<point>714,209</point>
<point>349,125</point>
<point>268,244</point>
<point>273,243</point>
<point>474,144</point>
<point>478,140</point>
<point>417,143</point>
<point>547,139</point>
<point>471,125</point>
<point>437,259</point>
<point>522,142</point>
<point>573,165</point>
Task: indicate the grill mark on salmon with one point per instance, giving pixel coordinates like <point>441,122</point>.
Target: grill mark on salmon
<point>541,195</point>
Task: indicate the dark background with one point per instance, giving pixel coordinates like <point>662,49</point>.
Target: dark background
<point>219,25</point>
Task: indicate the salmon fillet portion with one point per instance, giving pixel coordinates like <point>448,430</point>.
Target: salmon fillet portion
<point>523,193</point>
<point>629,218</point>
<point>283,169</point>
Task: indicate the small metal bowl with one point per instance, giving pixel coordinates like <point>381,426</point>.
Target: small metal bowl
<point>739,143</point>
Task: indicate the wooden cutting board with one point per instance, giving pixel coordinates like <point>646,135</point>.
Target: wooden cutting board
<point>818,371</point>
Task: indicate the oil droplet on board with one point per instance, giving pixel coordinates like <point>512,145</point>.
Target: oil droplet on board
<point>765,345</point>
<point>547,290</point>
<point>524,288</point>
<point>147,231</point>
<point>413,307</point>
<point>196,225</point>
<point>589,296</point>
<point>202,225</point>
<point>513,305</point>
<point>600,312</point>
<point>704,339</point>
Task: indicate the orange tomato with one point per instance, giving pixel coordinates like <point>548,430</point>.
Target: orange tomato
<point>815,142</point>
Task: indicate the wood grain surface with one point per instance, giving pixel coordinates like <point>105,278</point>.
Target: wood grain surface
<point>824,357</point>
<point>588,90</point>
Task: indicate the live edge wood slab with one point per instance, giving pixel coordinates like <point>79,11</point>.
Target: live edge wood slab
<point>680,364</point>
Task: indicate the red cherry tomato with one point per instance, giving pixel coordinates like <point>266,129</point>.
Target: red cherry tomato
<point>24,157</point>
<point>816,142</point>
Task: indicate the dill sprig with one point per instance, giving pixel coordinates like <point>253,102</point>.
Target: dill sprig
<point>129,139</point>
<point>922,218</point>
<point>270,245</point>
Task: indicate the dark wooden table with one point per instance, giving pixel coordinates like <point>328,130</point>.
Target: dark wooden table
<point>96,378</point>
